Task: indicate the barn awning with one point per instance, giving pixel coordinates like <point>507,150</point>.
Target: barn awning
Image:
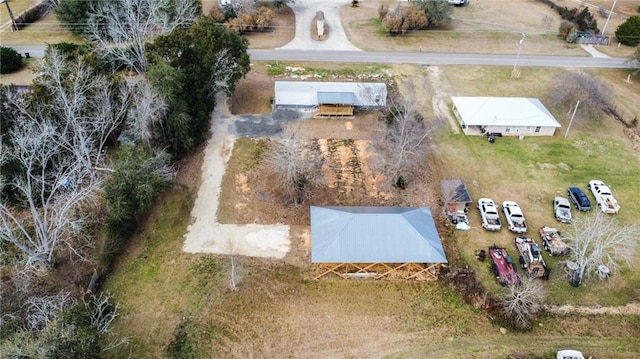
<point>337,98</point>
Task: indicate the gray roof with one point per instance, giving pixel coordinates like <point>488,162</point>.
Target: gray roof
<point>460,192</point>
<point>374,235</point>
<point>337,98</point>
<point>503,111</point>
<point>305,93</point>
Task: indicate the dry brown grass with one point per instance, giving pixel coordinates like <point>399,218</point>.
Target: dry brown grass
<point>253,94</point>
<point>481,27</point>
<point>45,31</point>
<point>281,31</point>
<point>22,77</point>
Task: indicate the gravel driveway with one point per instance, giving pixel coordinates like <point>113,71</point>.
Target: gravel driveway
<point>205,234</point>
<point>305,11</point>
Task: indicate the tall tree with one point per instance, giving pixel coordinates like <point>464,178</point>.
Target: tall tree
<point>60,132</point>
<point>120,29</point>
<point>404,147</point>
<point>198,62</point>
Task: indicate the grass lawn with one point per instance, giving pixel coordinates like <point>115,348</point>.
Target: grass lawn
<point>279,312</point>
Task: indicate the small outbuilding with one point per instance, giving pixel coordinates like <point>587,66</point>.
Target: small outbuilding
<point>506,116</point>
<point>377,242</point>
<point>455,199</point>
<point>330,98</point>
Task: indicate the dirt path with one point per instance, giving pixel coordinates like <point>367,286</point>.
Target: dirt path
<point>441,96</point>
<point>631,308</point>
<point>205,234</point>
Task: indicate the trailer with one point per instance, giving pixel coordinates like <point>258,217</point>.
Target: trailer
<point>503,267</point>
<point>552,241</point>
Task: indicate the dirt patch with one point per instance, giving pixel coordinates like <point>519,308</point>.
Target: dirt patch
<point>281,31</point>
<point>253,94</point>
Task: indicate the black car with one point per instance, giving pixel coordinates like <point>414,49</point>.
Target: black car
<point>579,199</point>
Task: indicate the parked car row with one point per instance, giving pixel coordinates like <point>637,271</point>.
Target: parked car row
<point>561,208</point>
<point>491,219</point>
<point>601,192</point>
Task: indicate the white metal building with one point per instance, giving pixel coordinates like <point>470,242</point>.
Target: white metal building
<point>508,116</point>
<point>307,94</point>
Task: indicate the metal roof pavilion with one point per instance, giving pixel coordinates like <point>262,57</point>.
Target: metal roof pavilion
<point>374,235</point>
<point>503,111</point>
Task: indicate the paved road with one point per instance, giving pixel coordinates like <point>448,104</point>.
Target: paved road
<point>423,58</point>
<point>437,58</point>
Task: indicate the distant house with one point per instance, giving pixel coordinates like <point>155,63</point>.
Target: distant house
<point>330,98</point>
<point>378,242</point>
<point>320,23</point>
<point>508,116</point>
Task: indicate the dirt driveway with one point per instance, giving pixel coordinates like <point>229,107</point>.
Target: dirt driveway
<point>205,234</point>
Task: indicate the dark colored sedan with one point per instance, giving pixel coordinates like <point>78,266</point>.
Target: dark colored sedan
<point>579,199</point>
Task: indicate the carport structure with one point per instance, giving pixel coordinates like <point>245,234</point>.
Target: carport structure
<point>375,242</point>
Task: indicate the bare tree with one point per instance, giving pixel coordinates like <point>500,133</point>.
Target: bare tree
<point>597,239</point>
<point>42,310</point>
<point>405,145</point>
<point>121,28</point>
<point>522,302</point>
<point>296,164</point>
<point>102,311</point>
<point>593,93</point>
<point>57,142</point>
<point>147,110</point>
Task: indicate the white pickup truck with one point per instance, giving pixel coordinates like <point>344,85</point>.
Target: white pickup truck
<point>515,218</point>
<point>606,202</point>
<point>489,215</point>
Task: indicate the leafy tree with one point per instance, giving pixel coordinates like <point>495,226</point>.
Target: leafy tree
<point>402,18</point>
<point>10,60</point>
<point>74,14</point>
<point>438,12</point>
<point>628,32</point>
<point>200,61</point>
<point>138,178</point>
<point>585,21</point>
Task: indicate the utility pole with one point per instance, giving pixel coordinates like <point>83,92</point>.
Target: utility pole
<point>604,28</point>
<point>14,26</point>
<point>514,73</point>
<point>571,120</point>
